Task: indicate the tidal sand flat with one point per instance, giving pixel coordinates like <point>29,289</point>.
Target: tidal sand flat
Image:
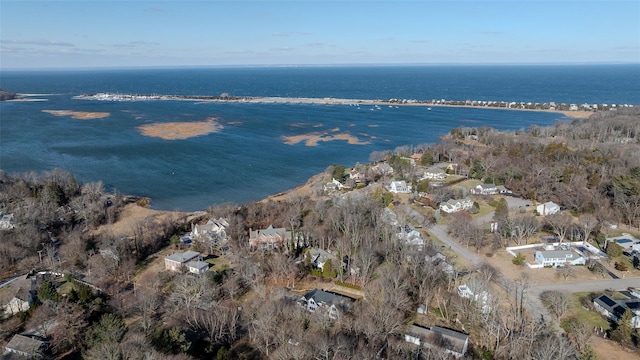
<point>312,139</point>
<point>180,130</point>
<point>80,115</point>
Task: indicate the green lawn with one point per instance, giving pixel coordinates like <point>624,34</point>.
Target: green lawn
<point>219,263</point>
<point>593,318</point>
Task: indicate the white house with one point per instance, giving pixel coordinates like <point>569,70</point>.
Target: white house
<point>557,258</point>
<point>411,236</point>
<point>548,208</point>
<point>614,309</point>
<point>434,173</point>
<point>333,185</point>
<point>485,189</point>
<point>452,206</point>
<point>474,292</point>
<point>399,187</point>
<point>333,304</point>
<point>449,341</point>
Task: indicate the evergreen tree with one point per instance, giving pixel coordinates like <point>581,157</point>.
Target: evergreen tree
<point>623,331</point>
<point>47,291</point>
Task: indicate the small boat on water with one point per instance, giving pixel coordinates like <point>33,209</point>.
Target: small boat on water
<point>429,108</point>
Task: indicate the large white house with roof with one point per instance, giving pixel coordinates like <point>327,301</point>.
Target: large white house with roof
<point>452,205</point>
<point>555,258</point>
<point>399,187</point>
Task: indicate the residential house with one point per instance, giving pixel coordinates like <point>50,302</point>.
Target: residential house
<point>21,294</point>
<point>319,257</point>
<point>334,305</point>
<point>382,169</point>
<point>213,233</point>
<point>269,238</point>
<point>452,205</point>
<point>333,185</point>
<point>411,236</point>
<point>411,161</point>
<point>548,208</point>
<point>614,309</point>
<point>6,221</point>
<point>213,229</point>
<point>399,187</point>
<point>25,347</point>
<point>198,267</point>
<point>557,258</point>
<point>449,341</point>
<point>358,176</point>
<point>434,173</point>
<point>190,260</point>
<point>475,292</point>
<point>441,261</point>
<point>485,189</point>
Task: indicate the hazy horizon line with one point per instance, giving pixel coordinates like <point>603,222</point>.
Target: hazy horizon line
<point>141,67</point>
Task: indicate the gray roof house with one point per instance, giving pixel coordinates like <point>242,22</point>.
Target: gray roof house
<point>24,347</point>
<point>449,341</point>
<point>178,260</point>
<point>269,238</point>
<point>333,304</point>
<point>614,309</point>
<point>319,257</point>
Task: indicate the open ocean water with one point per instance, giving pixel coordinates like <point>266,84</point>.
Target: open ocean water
<point>248,159</point>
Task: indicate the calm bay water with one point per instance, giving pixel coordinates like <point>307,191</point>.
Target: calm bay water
<point>248,159</point>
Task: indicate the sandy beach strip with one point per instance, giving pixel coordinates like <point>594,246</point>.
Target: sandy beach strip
<point>80,115</point>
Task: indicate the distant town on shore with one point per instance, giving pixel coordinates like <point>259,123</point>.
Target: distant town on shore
<point>224,97</point>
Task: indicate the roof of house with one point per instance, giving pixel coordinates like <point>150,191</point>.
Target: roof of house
<point>183,257</point>
<point>454,338</point>
<point>327,297</point>
<point>319,255</point>
<point>24,344</point>
<point>271,231</point>
<point>200,265</point>
<point>556,254</point>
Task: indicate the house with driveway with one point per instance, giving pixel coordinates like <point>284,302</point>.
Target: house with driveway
<point>485,189</point>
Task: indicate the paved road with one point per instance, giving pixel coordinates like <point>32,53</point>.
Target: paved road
<point>441,232</point>
<point>533,304</point>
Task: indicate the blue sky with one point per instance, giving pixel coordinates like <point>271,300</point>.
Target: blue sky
<point>54,34</point>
